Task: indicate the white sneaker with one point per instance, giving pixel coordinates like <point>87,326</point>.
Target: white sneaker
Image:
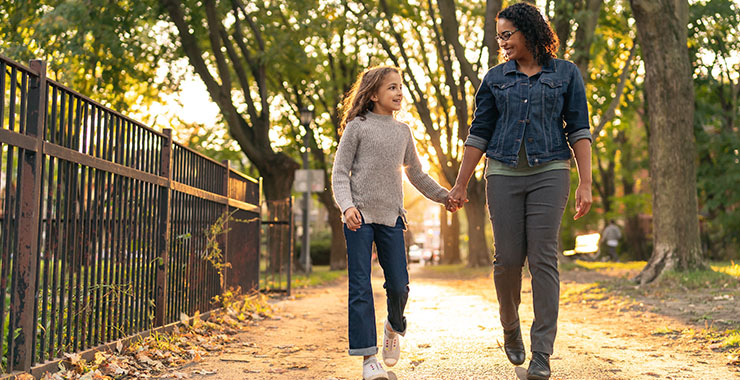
<point>391,345</point>
<point>372,370</point>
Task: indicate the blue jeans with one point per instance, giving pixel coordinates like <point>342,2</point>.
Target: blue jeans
<point>392,257</point>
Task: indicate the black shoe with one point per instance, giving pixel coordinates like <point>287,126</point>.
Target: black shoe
<point>539,366</point>
<point>514,347</point>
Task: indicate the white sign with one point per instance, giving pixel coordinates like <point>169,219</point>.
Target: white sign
<point>313,177</point>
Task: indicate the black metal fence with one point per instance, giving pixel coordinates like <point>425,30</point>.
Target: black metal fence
<point>107,227</point>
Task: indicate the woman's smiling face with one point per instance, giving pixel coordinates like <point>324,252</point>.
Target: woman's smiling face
<point>515,46</point>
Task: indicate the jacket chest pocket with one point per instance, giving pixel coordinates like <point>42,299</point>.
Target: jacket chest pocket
<point>552,89</point>
<point>502,92</point>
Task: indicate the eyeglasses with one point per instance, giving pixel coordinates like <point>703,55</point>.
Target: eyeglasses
<point>504,36</point>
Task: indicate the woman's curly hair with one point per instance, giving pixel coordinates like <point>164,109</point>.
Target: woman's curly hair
<point>541,40</point>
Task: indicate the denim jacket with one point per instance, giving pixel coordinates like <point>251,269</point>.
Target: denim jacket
<point>543,112</point>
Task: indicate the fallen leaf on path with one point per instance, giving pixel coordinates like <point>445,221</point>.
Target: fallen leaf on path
<point>204,372</point>
<point>240,358</point>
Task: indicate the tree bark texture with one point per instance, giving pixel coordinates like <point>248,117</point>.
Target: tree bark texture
<point>662,34</point>
<point>479,252</point>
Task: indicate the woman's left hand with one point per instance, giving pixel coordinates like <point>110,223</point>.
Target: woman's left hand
<point>583,200</point>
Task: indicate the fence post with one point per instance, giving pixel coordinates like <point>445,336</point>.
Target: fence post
<point>224,240</point>
<point>29,184</point>
<point>163,243</point>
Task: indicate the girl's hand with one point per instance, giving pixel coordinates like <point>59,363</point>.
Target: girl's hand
<point>450,205</point>
<point>583,200</point>
<point>352,218</point>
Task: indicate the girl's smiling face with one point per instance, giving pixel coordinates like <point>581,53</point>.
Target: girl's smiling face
<point>389,95</point>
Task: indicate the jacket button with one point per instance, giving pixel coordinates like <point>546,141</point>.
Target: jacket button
<point>530,139</point>
<point>525,100</point>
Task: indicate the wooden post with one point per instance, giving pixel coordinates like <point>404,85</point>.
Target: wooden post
<point>163,244</point>
<point>29,182</point>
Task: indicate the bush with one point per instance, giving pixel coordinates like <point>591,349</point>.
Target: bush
<point>320,249</point>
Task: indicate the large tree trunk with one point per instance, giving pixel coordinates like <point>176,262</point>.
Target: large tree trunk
<point>670,97</point>
<point>479,253</point>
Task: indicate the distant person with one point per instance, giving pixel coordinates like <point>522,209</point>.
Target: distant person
<point>610,239</point>
<point>530,112</point>
<point>367,183</point>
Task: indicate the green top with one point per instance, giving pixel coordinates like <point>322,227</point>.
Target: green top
<point>522,169</point>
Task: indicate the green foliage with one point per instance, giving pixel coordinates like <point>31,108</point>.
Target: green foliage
<point>108,50</point>
<point>713,43</point>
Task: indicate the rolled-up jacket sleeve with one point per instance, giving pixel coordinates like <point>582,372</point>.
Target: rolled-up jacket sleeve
<point>484,119</point>
<point>575,109</point>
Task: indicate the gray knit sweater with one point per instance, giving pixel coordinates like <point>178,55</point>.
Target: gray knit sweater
<point>367,169</point>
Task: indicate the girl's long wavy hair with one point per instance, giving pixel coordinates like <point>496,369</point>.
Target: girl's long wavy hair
<point>541,40</point>
<point>357,101</point>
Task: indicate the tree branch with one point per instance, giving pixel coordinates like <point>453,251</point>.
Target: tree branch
<point>609,114</point>
<point>450,29</point>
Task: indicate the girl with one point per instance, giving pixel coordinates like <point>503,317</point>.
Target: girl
<point>530,113</point>
<point>367,185</point>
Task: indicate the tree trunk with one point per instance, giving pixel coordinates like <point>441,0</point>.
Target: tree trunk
<point>669,88</point>
<point>450,233</point>
<point>561,21</point>
<point>479,253</point>
<point>587,19</point>
<point>489,31</point>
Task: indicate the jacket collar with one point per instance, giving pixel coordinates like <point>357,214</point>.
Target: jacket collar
<point>510,66</point>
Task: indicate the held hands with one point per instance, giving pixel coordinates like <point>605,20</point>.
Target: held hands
<point>352,218</point>
<point>457,198</point>
<point>583,200</point>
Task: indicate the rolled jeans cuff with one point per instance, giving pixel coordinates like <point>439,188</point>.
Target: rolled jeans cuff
<point>369,351</point>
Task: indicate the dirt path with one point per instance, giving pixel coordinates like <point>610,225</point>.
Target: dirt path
<point>454,334</point>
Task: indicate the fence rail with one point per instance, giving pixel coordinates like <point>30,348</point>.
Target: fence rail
<point>106,225</point>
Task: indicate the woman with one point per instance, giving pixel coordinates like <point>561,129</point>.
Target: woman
<point>530,112</point>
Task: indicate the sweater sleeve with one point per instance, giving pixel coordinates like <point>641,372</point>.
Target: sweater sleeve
<point>342,165</point>
<point>421,180</point>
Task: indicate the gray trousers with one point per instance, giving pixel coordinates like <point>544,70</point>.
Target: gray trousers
<point>525,214</point>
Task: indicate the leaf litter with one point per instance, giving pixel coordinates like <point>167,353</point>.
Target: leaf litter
<point>189,341</point>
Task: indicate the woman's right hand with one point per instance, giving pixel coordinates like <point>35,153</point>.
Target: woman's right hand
<point>352,218</point>
<point>458,196</point>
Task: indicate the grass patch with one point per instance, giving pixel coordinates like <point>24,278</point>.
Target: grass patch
<point>320,274</point>
<point>597,265</point>
<point>695,279</point>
